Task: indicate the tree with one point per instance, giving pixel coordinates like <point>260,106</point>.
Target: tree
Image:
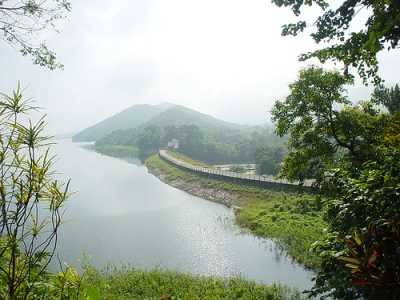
<point>31,201</point>
<point>22,21</point>
<point>353,152</point>
<point>358,49</point>
<point>389,98</point>
<point>149,141</point>
<point>269,159</point>
<point>323,126</point>
<point>191,140</point>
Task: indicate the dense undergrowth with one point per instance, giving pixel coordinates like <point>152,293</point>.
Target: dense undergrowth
<point>293,220</point>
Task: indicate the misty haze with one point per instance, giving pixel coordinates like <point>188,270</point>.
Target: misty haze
<point>199,149</point>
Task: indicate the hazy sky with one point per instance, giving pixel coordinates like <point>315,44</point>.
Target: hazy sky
<point>222,57</point>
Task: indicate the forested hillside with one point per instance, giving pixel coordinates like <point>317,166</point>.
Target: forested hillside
<point>200,136</point>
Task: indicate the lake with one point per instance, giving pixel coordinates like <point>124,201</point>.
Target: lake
<point>121,214</point>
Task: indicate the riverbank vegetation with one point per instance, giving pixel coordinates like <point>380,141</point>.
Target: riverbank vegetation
<point>293,220</point>
<point>129,283</point>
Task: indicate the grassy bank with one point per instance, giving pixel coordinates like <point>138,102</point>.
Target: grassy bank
<point>187,159</point>
<point>135,284</point>
<point>116,150</point>
<point>293,220</point>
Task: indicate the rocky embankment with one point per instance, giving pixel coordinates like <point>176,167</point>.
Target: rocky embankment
<point>196,188</point>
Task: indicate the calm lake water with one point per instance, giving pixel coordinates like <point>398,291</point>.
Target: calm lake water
<point>121,214</point>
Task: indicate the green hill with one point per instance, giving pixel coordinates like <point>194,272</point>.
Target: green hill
<point>144,129</point>
<point>130,118</point>
<point>178,115</point>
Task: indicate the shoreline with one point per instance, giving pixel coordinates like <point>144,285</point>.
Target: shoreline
<point>293,220</point>
<point>194,188</point>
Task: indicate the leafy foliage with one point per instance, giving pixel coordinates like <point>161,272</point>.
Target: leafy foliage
<point>269,159</point>
<point>371,195</point>
<point>363,214</point>
<point>373,258</point>
<point>20,21</point>
<point>392,131</point>
<point>324,129</point>
<point>355,49</point>
<point>31,202</point>
<point>359,176</point>
<point>388,97</point>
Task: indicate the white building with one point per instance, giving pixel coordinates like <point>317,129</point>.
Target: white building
<point>173,144</point>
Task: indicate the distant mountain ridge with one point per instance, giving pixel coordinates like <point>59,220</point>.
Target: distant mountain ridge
<point>129,118</point>
<point>143,115</point>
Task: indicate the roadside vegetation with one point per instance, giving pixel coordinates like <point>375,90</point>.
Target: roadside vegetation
<point>293,220</point>
<point>187,159</point>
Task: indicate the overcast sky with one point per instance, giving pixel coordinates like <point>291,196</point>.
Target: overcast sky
<point>222,57</point>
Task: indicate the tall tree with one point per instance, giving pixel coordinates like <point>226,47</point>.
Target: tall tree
<point>356,49</point>
<point>388,97</point>
<point>269,159</point>
<point>21,22</point>
<point>322,125</point>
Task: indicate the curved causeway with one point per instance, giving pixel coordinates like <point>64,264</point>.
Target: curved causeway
<point>245,178</point>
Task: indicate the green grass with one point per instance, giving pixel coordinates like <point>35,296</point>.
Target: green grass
<point>128,283</point>
<point>116,150</point>
<point>186,159</point>
<point>293,220</point>
<point>281,218</point>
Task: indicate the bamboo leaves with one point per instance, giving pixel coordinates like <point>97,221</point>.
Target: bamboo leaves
<point>31,200</point>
